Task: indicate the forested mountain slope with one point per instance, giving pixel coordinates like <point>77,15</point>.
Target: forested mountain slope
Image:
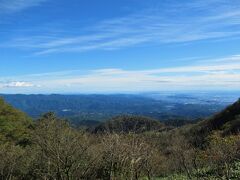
<point>226,122</point>
<point>125,147</point>
<point>127,123</point>
<point>14,124</point>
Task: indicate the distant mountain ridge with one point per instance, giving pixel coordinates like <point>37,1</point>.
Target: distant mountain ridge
<point>101,107</point>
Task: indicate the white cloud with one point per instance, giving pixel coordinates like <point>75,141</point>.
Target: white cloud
<point>212,74</point>
<point>220,73</point>
<point>10,6</point>
<point>179,22</point>
<point>15,84</point>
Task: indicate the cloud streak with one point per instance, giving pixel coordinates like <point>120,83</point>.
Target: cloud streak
<point>216,74</point>
<point>179,22</point>
<point>12,6</point>
<point>15,84</point>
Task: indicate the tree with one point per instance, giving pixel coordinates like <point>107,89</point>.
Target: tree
<point>14,124</point>
<point>127,156</point>
<point>63,153</point>
<point>222,153</point>
<point>13,164</point>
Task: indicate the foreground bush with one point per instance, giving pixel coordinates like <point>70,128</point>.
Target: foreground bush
<point>57,151</point>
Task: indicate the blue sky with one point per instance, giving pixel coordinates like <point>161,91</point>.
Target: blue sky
<point>95,46</point>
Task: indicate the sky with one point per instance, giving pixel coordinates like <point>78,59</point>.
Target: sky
<point>112,46</point>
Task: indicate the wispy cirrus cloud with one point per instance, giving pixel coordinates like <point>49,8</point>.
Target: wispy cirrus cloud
<point>179,22</point>
<point>220,73</point>
<point>11,6</point>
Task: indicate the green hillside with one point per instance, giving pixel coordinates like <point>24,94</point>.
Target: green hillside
<point>130,123</point>
<point>14,124</point>
<point>226,122</point>
<point>124,147</point>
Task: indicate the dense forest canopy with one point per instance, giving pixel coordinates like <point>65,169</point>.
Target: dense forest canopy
<point>128,124</point>
<point>14,123</point>
<point>125,147</point>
